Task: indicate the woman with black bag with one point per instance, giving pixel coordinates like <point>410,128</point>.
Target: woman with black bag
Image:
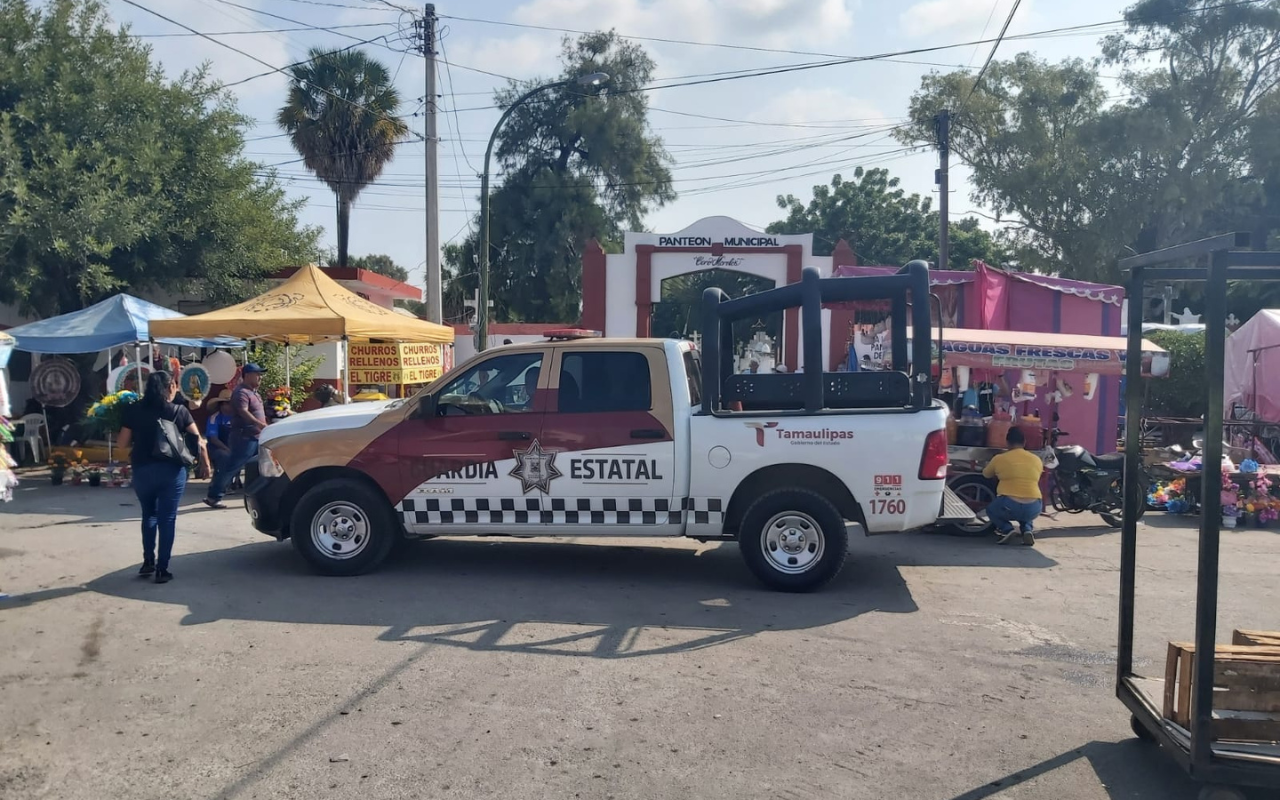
<point>164,439</point>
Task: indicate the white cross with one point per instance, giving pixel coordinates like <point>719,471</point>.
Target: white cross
<point>1232,322</point>
<point>474,304</point>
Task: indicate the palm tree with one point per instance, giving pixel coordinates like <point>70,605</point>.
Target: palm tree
<point>340,117</point>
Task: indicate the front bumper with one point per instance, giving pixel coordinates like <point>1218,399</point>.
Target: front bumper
<point>264,499</point>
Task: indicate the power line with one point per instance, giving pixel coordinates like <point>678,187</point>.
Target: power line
<point>257,31</point>
<point>281,70</point>
<point>841,60</point>
<point>1003,30</point>
<point>274,71</point>
<point>322,28</point>
<point>840,56</point>
<point>338,5</point>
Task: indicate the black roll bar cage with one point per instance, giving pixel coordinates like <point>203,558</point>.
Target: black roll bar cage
<point>1186,262</point>
<point>912,281</point>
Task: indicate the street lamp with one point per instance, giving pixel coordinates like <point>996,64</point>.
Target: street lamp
<point>482,304</point>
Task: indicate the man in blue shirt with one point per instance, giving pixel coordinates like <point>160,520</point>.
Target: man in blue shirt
<point>217,429</point>
<point>248,420</point>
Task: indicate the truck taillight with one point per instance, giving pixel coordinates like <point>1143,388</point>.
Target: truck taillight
<point>933,461</point>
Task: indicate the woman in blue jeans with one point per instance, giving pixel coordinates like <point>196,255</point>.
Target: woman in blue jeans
<point>159,483</point>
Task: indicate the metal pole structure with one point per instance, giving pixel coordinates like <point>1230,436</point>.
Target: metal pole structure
<point>288,367</point>
<point>346,370</point>
<point>1215,335</point>
<point>433,299</point>
<point>137,361</point>
<point>482,302</point>
<point>942,125</point>
<point>1132,476</point>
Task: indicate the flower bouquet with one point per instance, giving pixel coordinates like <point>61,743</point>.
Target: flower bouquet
<point>1268,514</point>
<point>120,475</point>
<point>59,463</point>
<point>279,405</point>
<point>1230,515</point>
<point>79,468</point>
<point>108,412</point>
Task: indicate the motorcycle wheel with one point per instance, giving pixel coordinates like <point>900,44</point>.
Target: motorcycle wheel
<point>1116,520</point>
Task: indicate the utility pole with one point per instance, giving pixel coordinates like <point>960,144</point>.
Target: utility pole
<point>427,32</point>
<point>942,127</point>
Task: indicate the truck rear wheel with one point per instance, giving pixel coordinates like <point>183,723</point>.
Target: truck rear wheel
<point>342,527</point>
<point>793,540</point>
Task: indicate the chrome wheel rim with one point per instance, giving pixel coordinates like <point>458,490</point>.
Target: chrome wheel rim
<point>977,496</point>
<point>793,542</point>
<point>340,530</point>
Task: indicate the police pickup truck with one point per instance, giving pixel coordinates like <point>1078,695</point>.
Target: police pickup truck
<point>585,436</point>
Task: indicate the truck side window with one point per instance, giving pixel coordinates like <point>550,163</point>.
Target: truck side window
<point>693,374</point>
<point>501,385</point>
<point>604,381</point>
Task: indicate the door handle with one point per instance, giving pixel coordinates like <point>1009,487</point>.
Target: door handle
<point>648,433</point>
<point>514,436</point>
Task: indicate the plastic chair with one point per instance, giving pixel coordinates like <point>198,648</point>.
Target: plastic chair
<point>32,436</point>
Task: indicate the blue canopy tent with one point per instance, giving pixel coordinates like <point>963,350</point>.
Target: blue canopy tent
<point>114,322</point>
<point>119,320</point>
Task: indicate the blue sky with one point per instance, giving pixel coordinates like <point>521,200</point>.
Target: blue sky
<point>731,165</point>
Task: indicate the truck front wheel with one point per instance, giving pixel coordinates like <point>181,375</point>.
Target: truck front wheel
<point>342,527</point>
<point>793,540</point>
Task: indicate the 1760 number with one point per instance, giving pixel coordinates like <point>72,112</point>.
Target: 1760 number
<point>888,506</point>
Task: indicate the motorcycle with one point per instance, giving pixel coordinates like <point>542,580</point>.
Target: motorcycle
<point>1077,482</point>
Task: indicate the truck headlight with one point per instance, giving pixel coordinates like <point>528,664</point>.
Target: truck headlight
<point>268,467</point>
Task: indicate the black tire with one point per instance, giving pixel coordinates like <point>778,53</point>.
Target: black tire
<point>972,487</point>
<point>1116,520</point>
<point>814,526</point>
<point>1140,731</point>
<point>360,528</point>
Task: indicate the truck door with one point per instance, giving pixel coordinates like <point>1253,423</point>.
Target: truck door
<point>476,463</point>
<point>609,421</point>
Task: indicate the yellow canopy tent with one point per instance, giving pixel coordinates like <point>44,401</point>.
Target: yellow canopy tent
<point>308,308</point>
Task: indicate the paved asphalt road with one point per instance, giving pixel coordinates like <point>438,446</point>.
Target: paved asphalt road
<point>933,668</point>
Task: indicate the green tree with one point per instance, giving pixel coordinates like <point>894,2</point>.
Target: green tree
<point>114,178</point>
<point>377,262</point>
<point>884,224</point>
<point>1181,394</point>
<point>1083,176</point>
<point>1032,134</point>
<point>297,376</point>
<point>574,165</point>
<point>340,117</point>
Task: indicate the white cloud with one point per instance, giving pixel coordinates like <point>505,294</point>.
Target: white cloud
<point>818,105</point>
<point>763,23</point>
<point>522,56</point>
<point>960,19</point>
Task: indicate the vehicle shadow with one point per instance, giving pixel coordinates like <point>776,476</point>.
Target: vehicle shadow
<point>552,597</point>
<point>1128,770</point>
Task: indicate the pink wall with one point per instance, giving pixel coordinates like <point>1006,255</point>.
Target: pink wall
<point>1016,305</point>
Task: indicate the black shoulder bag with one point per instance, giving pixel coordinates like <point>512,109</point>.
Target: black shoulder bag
<point>171,445</point>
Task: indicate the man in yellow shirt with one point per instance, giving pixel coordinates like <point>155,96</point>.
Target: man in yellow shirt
<point>1018,497</point>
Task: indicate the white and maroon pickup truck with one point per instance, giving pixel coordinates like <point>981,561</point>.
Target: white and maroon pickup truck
<point>581,436</point>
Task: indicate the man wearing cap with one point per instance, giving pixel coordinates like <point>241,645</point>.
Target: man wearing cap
<point>248,419</point>
<point>217,428</point>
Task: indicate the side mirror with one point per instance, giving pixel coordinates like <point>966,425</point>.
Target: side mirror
<point>427,407</point>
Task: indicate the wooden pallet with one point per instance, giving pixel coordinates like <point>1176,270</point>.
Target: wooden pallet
<point>1256,638</point>
<point>1246,688</point>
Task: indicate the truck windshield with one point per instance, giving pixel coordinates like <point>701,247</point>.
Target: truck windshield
<point>498,385</point>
